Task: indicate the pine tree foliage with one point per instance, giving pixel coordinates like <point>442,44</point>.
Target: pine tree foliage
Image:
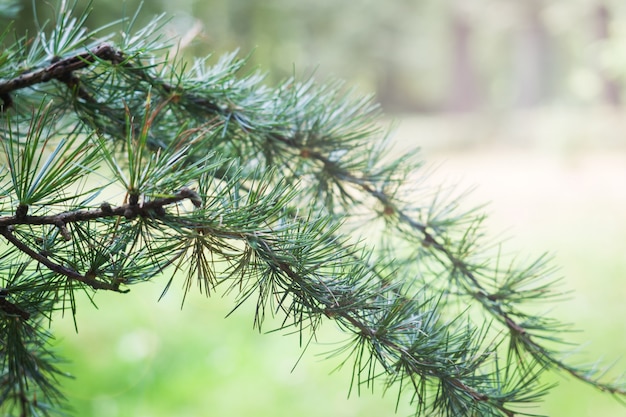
<point>122,163</point>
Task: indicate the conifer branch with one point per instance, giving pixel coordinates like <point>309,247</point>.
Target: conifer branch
<point>7,233</point>
<point>265,178</point>
<point>11,308</point>
<point>151,208</point>
<point>60,69</point>
<point>476,290</point>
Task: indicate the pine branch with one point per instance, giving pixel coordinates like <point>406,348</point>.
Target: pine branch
<point>236,183</point>
<point>128,211</point>
<point>11,308</point>
<point>59,69</point>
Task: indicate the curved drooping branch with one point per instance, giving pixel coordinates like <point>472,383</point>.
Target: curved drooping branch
<point>63,70</point>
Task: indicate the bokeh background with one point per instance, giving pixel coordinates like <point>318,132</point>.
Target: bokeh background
<point>523,100</point>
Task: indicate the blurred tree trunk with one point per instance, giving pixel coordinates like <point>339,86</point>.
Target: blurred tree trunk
<point>464,92</point>
<point>397,82</point>
<point>611,88</point>
<point>533,61</point>
<point>389,84</point>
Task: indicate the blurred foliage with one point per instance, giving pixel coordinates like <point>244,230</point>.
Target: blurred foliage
<point>422,55</point>
<point>9,8</point>
<point>427,55</point>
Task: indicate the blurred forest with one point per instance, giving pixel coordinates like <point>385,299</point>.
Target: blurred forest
<point>417,55</point>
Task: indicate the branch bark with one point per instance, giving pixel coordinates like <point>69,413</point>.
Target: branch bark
<point>129,211</point>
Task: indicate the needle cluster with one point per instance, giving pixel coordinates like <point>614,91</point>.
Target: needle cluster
<point>121,164</point>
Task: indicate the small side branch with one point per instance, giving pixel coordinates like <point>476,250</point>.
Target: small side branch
<point>61,70</point>
<point>129,211</point>
<point>10,308</point>
<point>145,209</point>
<point>60,269</point>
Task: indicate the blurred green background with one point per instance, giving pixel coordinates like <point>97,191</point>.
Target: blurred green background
<point>521,98</point>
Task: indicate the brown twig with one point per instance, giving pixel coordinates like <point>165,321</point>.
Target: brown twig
<point>61,70</point>
<point>10,308</point>
<point>59,269</point>
<point>146,209</point>
<point>129,211</point>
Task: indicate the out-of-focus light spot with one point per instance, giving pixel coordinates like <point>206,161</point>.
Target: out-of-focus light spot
<point>137,345</point>
<point>584,83</point>
<point>103,406</point>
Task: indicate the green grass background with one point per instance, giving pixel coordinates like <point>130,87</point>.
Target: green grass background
<point>138,357</point>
